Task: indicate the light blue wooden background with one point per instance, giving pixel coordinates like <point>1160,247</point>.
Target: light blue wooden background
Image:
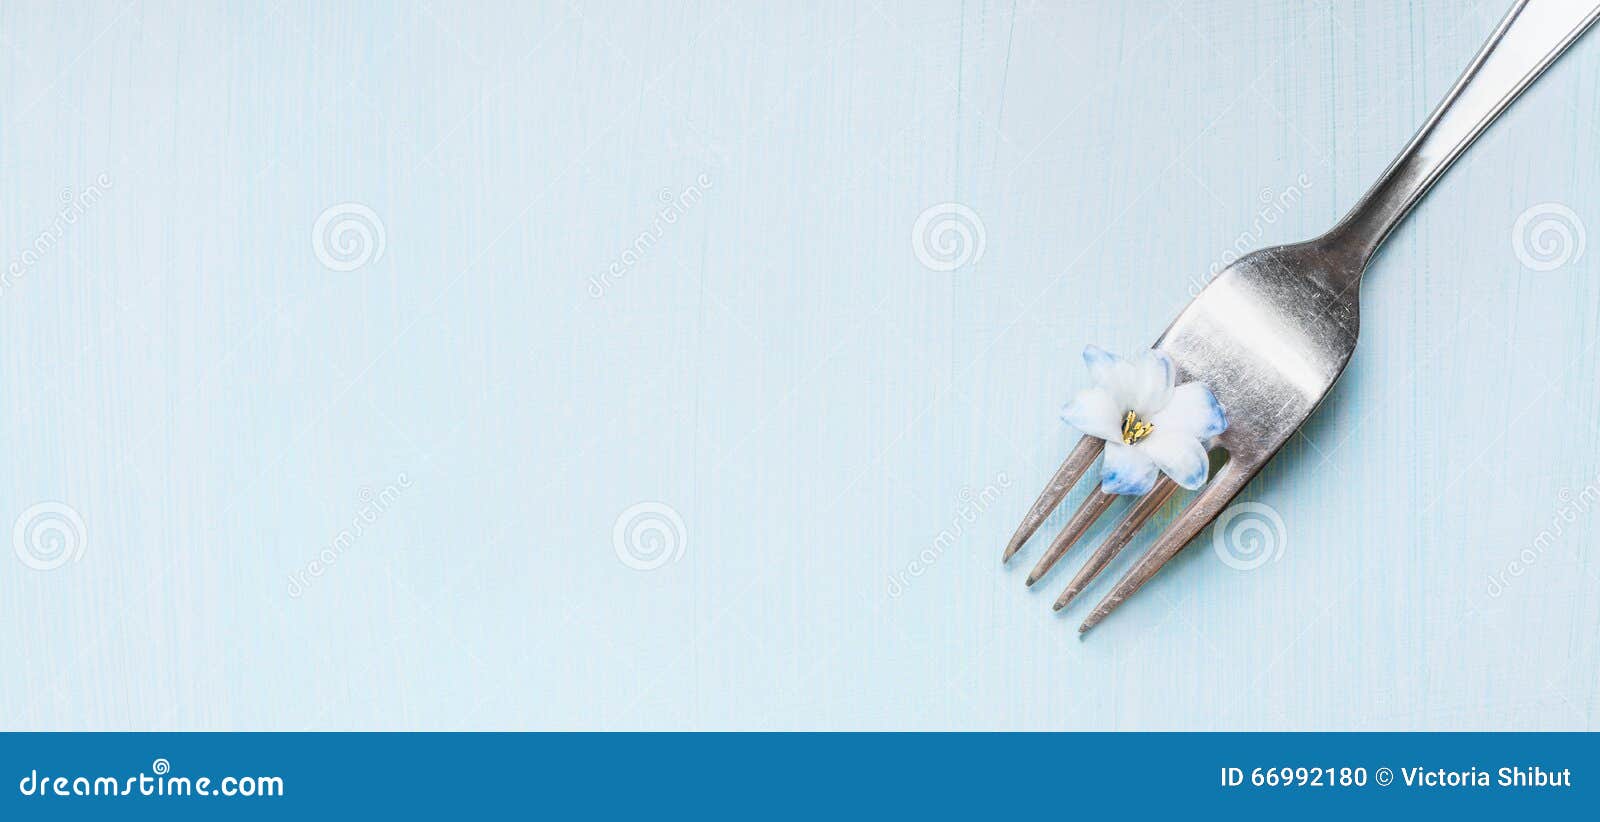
<point>182,376</point>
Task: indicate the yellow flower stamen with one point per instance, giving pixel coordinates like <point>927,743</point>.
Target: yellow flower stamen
<point>1134,429</point>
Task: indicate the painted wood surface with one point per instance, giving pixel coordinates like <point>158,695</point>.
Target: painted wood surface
<point>576,365</point>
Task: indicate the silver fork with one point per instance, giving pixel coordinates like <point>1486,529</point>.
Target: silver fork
<point>1272,332</point>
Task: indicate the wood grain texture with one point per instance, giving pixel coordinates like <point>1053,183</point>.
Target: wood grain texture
<point>663,254</point>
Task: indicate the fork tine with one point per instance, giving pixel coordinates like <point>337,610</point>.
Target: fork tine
<point>1093,506</point>
<point>1197,515</point>
<point>1118,539</point>
<point>1067,475</point>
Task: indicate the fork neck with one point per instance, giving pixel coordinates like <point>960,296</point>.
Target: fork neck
<point>1532,35</point>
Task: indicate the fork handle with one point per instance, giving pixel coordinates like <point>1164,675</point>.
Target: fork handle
<point>1532,35</point>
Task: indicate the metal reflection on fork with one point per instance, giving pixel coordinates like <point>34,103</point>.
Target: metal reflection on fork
<point>1271,333</point>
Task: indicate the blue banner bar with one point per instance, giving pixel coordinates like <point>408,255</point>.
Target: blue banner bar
<point>744,776</point>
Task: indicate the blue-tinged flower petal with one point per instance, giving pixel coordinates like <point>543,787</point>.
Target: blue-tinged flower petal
<point>1095,412</point>
<point>1193,410</point>
<point>1126,470</point>
<point>1179,455</point>
<point>1101,363</point>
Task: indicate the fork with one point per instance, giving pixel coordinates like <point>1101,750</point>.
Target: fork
<point>1272,332</point>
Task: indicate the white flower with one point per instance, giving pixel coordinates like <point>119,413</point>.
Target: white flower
<point>1149,425</point>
